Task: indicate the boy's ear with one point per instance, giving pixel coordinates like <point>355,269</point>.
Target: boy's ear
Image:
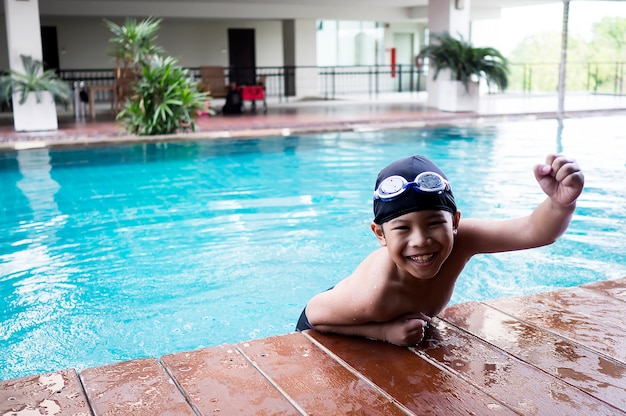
<point>455,219</point>
<point>379,233</point>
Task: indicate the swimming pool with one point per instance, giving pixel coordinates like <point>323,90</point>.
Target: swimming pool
<point>114,253</point>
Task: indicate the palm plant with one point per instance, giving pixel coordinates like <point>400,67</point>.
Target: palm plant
<point>34,79</point>
<point>465,62</point>
<point>164,96</point>
<point>166,99</point>
<point>133,42</point>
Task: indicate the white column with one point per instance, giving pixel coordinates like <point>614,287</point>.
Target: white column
<point>452,16</point>
<point>24,38</point>
<point>300,46</point>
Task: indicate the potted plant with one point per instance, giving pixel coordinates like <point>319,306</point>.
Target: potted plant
<point>133,42</point>
<point>464,66</point>
<point>166,99</point>
<point>34,93</point>
<point>159,96</point>
<point>131,45</point>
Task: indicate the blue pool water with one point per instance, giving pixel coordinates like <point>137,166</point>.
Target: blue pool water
<point>115,253</point>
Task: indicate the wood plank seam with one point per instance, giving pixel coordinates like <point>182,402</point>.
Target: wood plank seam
<point>180,388</point>
<point>357,374</point>
<point>491,344</point>
<point>552,333</point>
<point>416,350</point>
<point>556,334</point>
<point>601,292</point>
<point>530,364</point>
<point>84,388</point>
<point>270,380</point>
<point>461,378</point>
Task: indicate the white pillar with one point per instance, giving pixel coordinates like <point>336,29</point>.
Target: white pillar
<point>452,16</point>
<point>300,46</point>
<point>24,38</point>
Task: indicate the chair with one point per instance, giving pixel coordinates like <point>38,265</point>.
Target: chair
<point>213,81</point>
<point>124,80</point>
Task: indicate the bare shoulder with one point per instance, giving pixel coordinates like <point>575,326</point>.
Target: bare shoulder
<point>359,297</point>
<point>370,278</point>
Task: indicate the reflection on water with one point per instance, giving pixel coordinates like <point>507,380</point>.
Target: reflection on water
<point>44,280</point>
<point>119,252</point>
<point>559,135</point>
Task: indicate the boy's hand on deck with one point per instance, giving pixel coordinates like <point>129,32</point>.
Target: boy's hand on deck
<point>560,178</point>
<point>407,330</point>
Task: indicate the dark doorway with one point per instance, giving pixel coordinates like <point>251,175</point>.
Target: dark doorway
<point>50,47</point>
<point>241,56</point>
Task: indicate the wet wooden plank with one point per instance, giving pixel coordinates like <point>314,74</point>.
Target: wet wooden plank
<point>139,388</point>
<point>583,316</point>
<point>319,384</point>
<point>615,288</point>
<point>409,379</point>
<point>600,377</point>
<point>59,393</point>
<point>220,380</point>
<point>509,380</point>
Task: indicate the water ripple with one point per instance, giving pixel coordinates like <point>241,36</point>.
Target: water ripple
<point>114,253</point>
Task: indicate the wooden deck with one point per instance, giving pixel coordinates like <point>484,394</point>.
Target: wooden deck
<point>556,353</point>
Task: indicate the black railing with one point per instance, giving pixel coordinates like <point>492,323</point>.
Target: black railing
<point>372,80</point>
<point>594,77</point>
<point>334,81</point>
<point>90,77</point>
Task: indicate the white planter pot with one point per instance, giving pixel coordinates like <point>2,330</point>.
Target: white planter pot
<point>454,97</point>
<point>34,116</point>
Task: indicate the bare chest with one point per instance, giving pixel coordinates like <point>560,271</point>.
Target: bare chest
<point>428,297</point>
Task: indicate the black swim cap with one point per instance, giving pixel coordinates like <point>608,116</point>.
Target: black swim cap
<point>411,199</point>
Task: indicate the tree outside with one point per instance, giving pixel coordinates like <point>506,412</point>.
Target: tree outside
<point>596,64</point>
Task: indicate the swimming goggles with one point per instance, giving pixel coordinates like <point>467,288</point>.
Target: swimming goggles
<point>428,182</point>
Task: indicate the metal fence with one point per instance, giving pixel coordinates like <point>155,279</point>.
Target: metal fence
<point>334,81</point>
<point>593,77</point>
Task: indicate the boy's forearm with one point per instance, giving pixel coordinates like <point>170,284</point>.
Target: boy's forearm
<point>549,221</point>
<point>373,330</point>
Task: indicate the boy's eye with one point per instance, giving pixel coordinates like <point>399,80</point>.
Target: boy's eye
<point>436,223</point>
<point>400,228</point>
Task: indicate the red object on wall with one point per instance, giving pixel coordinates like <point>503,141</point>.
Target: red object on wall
<point>393,62</point>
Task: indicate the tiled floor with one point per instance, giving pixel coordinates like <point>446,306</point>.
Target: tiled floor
<point>299,117</point>
<point>556,353</point>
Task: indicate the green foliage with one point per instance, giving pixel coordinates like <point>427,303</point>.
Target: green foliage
<point>466,62</point>
<point>594,64</point>
<point>133,42</point>
<point>607,55</point>
<point>34,79</point>
<point>166,99</point>
<point>609,34</point>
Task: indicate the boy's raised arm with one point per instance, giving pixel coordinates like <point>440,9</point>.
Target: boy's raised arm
<point>562,181</point>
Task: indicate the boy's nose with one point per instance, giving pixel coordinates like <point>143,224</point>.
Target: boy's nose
<point>419,238</point>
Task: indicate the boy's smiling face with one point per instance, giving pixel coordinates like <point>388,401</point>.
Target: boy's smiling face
<point>419,242</point>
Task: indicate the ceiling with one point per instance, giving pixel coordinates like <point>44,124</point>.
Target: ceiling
<point>353,3</point>
<point>378,10</point>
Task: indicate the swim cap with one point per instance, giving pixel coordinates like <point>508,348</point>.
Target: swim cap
<point>411,199</point>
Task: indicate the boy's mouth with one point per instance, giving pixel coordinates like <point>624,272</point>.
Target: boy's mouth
<point>422,258</point>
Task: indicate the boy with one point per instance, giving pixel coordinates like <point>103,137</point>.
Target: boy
<point>393,294</point>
